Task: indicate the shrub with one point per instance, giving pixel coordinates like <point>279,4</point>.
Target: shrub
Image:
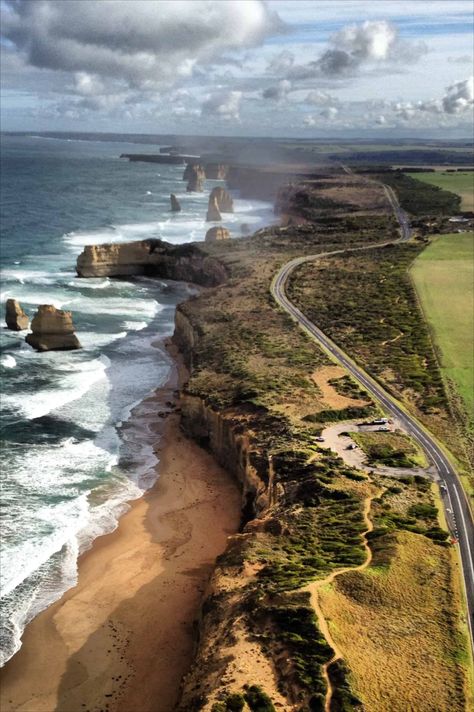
<point>258,700</point>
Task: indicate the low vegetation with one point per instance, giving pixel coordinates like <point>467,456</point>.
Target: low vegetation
<point>420,198</point>
<point>460,182</point>
<point>390,449</point>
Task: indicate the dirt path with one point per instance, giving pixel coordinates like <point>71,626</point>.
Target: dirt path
<point>313,589</point>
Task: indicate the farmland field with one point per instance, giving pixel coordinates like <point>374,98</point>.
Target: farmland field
<point>444,278</point>
<point>460,183</point>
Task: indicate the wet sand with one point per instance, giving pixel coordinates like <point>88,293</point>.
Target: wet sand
<point>121,640</point>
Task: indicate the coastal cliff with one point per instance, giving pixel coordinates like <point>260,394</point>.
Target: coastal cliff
<point>151,258</point>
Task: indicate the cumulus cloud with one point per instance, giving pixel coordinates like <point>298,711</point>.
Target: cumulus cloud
<point>279,92</point>
<point>459,97</point>
<point>224,105</point>
<point>319,98</point>
<point>330,112</point>
<point>142,43</point>
<point>370,43</point>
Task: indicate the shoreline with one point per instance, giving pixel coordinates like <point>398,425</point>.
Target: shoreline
<point>130,619</point>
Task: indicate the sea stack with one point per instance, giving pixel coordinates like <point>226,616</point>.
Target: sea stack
<point>52,330</point>
<point>213,214</point>
<point>225,204</point>
<point>217,233</point>
<point>196,178</point>
<point>216,171</point>
<point>175,206</point>
<point>15,317</point>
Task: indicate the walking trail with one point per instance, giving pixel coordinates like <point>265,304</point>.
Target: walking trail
<point>314,588</point>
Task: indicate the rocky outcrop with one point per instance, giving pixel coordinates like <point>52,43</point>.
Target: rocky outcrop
<point>186,262</point>
<point>114,260</point>
<point>213,214</point>
<point>195,175</point>
<point>216,171</point>
<point>224,201</point>
<point>15,317</point>
<point>175,206</point>
<point>217,233</point>
<point>52,330</point>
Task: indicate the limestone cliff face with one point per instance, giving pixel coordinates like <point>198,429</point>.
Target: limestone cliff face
<point>221,431</point>
<point>113,260</point>
<point>213,213</point>
<point>216,171</point>
<point>15,317</point>
<point>222,199</point>
<point>228,436</point>
<point>52,330</point>
<point>175,206</point>
<point>217,233</point>
<point>187,263</point>
<point>196,179</point>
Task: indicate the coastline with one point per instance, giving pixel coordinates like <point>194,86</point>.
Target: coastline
<point>130,618</point>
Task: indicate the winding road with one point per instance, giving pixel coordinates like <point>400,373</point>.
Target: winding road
<point>458,513</point>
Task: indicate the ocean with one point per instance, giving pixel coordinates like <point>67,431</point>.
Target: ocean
<point>67,473</point>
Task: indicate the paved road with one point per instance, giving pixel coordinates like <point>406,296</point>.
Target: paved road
<point>457,509</point>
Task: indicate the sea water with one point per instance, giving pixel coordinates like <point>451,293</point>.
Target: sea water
<point>67,474</point>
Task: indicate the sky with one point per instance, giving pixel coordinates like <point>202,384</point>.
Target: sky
<point>302,68</point>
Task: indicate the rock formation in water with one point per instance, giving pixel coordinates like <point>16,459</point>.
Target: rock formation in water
<point>52,330</point>
<point>196,177</point>
<point>175,206</point>
<point>188,262</point>
<point>225,204</point>
<point>15,317</point>
<point>213,213</point>
<point>217,233</point>
<point>216,171</point>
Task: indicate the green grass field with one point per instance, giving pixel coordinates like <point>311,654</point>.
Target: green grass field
<point>460,183</point>
<point>444,278</point>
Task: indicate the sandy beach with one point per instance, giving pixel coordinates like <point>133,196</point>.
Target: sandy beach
<point>121,640</point>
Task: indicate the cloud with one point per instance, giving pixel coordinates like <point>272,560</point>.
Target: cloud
<point>278,92</point>
<point>224,105</point>
<point>330,112</point>
<point>461,59</point>
<point>141,43</point>
<point>319,98</point>
<point>459,97</point>
<point>281,62</point>
<point>373,42</point>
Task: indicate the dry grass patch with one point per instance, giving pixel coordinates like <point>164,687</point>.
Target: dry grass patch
<point>414,660</point>
<point>331,398</point>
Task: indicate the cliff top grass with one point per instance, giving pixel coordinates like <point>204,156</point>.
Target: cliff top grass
<point>443,275</point>
<point>410,660</point>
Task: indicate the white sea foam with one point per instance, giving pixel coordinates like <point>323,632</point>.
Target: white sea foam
<point>116,306</point>
<point>91,283</point>
<point>25,276</point>
<point>8,361</point>
<point>135,325</point>
<point>69,388</point>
